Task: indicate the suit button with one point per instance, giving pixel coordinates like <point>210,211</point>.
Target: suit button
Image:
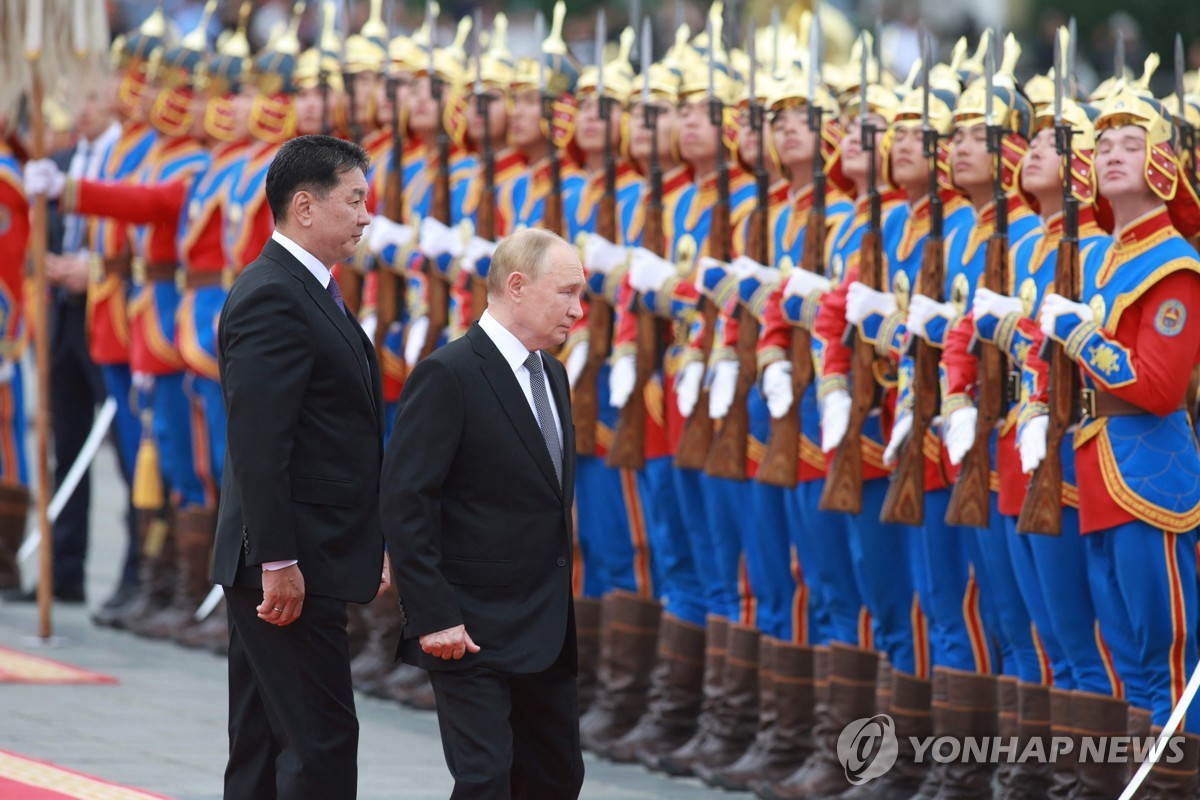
<point>562,562</point>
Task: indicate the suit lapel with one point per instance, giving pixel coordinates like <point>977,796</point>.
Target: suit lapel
<point>512,400</point>
<point>320,295</point>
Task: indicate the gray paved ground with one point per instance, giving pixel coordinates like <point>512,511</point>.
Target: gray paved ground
<point>162,728</point>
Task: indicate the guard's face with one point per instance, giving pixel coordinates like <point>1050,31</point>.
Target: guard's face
<point>697,136</point>
<point>310,110</point>
<point>525,124</point>
<point>854,157</point>
<point>497,117</point>
<point>1040,169</point>
<point>423,111</point>
<point>548,307</point>
<point>365,86</point>
<point>1121,162</point>
<point>909,166</point>
<point>793,138</point>
<point>591,130</point>
<point>639,134</point>
<point>970,161</point>
<point>242,103</point>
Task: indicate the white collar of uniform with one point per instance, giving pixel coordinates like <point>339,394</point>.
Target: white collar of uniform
<point>310,262</point>
<point>509,345</point>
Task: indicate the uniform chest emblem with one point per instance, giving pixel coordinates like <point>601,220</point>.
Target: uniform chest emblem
<point>1170,318</point>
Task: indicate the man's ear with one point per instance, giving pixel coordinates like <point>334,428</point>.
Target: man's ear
<point>516,285</point>
<point>302,208</point>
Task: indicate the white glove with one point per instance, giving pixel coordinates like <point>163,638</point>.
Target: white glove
<point>600,255</point>
<point>960,433</point>
<point>835,419</point>
<point>863,301</point>
<point>44,177</point>
<point>1032,442</point>
<point>720,393</point>
<point>382,233</point>
<point>369,323</point>
<point>745,267</point>
<point>414,341</point>
<point>777,388</point>
<point>710,272</point>
<point>1055,306</point>
<point>687,387</point>
<point>7,371</point>
<point>901,431</point>
<point>621,380</point>
<point>477,248</point>
<point>989,303</point>
<point>576,361</point>
<point>648,272</point>
<point>921,309</point>
<point>802,283</point>
<point>438,239</point>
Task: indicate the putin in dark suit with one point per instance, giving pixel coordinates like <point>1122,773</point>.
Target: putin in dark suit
<point>298,531</point>
<point>477,488</point>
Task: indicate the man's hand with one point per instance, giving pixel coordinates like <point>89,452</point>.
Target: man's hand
<point>1031,443</point>
<point>44,177</point>
<point>385,580</point>
<point>452,643</point>
<point>576,361</point>
<point>687,387</point>
<point>835,419</point>
<point>283,595</point>
<point>901,431</point>
<point>960,433</point>
<point>777,388</point>
<point>621,381</point>
<point>69,272</point>
<point>724,385</point>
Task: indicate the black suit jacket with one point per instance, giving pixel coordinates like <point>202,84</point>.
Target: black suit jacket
<point>305,436</point>
<point>478,527</point>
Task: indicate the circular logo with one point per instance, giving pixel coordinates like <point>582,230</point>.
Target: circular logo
<point>868,748</point>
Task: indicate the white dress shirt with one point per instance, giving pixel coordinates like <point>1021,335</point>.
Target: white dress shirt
<point>86,162</point>
<point>515,354</point>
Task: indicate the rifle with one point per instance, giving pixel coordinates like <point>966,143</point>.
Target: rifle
<point>486,215</point>
<point>905,500</point>
<point>843,486</point>
<point>350,279</point>
<point>696,438</point>
<point>781,460</point>
<point>552,210</point>
<point>1042,511</point>
<point>970,501</point>
<point>629,440</point>
<point>727,456</point>
<point>586,399</point>
<point>388,290</point>
<point>439,287</point>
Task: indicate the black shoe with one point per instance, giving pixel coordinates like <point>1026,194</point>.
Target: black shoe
<point>106,616</point>
<point>72,595</point>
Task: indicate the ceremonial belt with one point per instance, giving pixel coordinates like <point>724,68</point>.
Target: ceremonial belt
<point>203,279</point>
<point>153,271</point>
<point>121,266</point>
<point>1094,403</point>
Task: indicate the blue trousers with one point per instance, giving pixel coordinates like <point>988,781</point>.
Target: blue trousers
<point>881,554</point>
<point>126,427</point>
<point>1005,611</point>
<point>781,598</point>
<point>173,430</point>
<point>1152,576</point>
<point>957,635</point>
<point>209,425</point>
<point>612,529</point>
<point>822,542</point>
<point>677,579</point>
<point>726,505</point>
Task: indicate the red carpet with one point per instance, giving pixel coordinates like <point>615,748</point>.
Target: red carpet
<point>17,667</point>
<point>25,779</point>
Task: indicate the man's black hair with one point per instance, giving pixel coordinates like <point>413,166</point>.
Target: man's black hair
<point>310,164</point>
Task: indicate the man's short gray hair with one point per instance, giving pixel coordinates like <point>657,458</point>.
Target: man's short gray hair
<point>525,252</point>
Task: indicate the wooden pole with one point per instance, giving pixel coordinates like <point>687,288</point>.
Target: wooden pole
<point>37,252</point>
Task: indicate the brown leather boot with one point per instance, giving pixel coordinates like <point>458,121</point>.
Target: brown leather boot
<point>734,716</point>
<point>1006,694</point>
<point>939,702</point>
<point>626,661</point>
<point>378,656</point>
<point>193,534</point>
<point>14,510</point>
<point>587,634</point>
<point>1168,779</point>
<point>156,569</point>
<point>1097,715</point>
<point>673,701</point>
<point>212,633</point>
<point>767,717</point>
<point>853,675</point>
<point>1139,730</point>
<point>883,689</point>
<point>1031,779</point>
<point>910,701</point>
<point>1062,727</point>
<point>972,712</point>
<point>716,634</point>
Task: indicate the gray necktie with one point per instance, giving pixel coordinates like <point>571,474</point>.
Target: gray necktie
<point>541,402</point>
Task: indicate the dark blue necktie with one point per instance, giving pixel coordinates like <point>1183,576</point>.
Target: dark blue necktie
<point>336,294</point>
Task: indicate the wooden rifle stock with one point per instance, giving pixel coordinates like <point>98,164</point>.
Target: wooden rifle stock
<point>439,287</point>
<point>388,288</point>
<point>904,503</point>
<point>585,400</point>
<point>486,228</point>
<point>970,501</point>
<point>1042,511</point>
<point>552,215</point>
<point>844,484</point>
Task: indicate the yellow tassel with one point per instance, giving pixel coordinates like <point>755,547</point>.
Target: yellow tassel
<point>147,472</point>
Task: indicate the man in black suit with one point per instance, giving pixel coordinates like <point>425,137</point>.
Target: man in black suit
<point>478,484</point>
<point>298,532</point>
